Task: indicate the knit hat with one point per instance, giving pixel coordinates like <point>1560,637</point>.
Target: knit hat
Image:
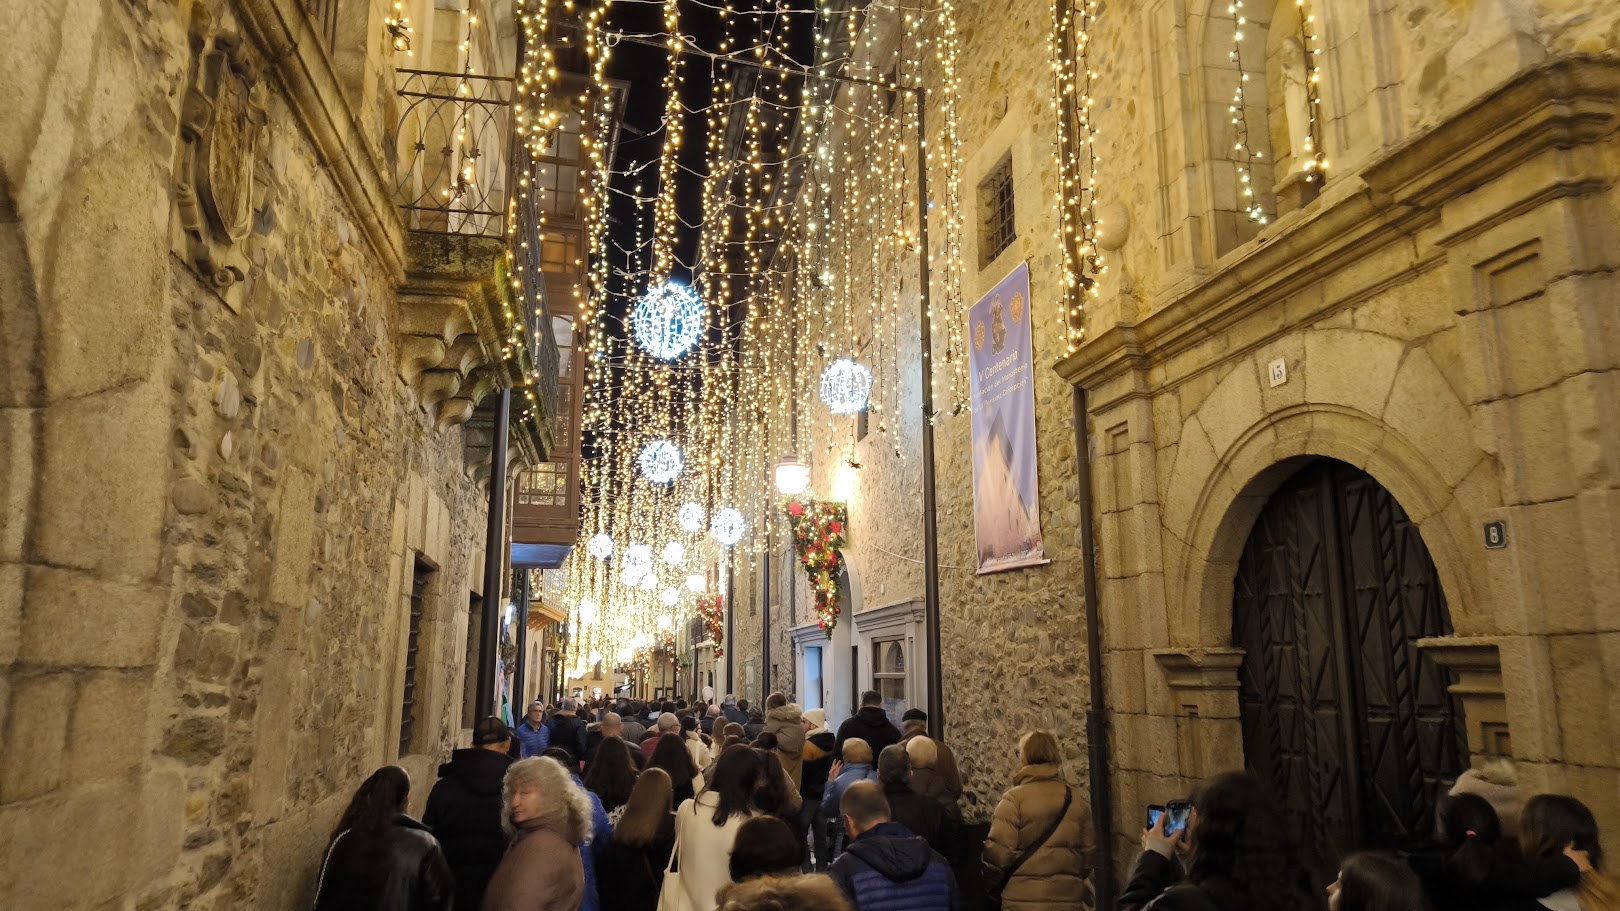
<point>490,730</point>
<point>817,719</point>
<point>1498,783</point>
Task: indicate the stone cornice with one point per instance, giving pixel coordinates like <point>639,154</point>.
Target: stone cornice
<point>293,51</point>
<point>1565,103</point>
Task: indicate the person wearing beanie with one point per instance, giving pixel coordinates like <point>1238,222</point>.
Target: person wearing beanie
<point>464,810</point>
<point>934,772</point>
<point>1498,782</point>
<point>816,763</point>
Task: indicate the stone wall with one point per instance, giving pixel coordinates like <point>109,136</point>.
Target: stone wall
<point>213,502</point>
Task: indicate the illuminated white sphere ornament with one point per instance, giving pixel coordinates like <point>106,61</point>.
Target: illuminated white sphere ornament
<point>690,517</point>
<point>727,527</point>
<point>696,583</point>
<point>588,612</point>
<point>674,553</point>
<point>667,320</point>
<point>600,545</point>
<point>648,583</point>
<point>637,563</point>
<point>660,461</point>
<point>845,386</point>
<point>670,597</point>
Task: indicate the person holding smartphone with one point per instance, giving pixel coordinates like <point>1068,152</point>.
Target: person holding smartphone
<point>1234,845</point>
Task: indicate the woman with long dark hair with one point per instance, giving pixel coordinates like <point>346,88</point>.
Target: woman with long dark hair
<point>775,793</point>
<point>611,775</point>
<point>1239,856</point>
<point>1473,868</point>
<point>1554,825</point>
<point>706,828</point>
<point>675,759</point>
<point>630,868</point>
<point>379,858</point>
<point>1375,881</point>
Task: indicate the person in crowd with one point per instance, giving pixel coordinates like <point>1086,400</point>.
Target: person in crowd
<point>1375,881</point>
<point>568,731</point>
<point>734,712</point>
<point>756,722</point>
<point>786,720</point>
<point>784,893</point>
<point>1239,857</point>
<point>1498,782</point>
<point>775,793</point>
<point>601,831</point>
<point>711,716</point>
<point>922,815</point>
<point>730,735</point>
<point>1472,868</point>
<point>608,726</point>
<point>706,829</point>
<point>818,748</point>
<point>549,819</point>
<point>676,760</point>
<point>379,858</point>
<point>631,865</point>
<point>871,724</point>
<point>1553,825</point>
<point>928,780</point>
<point>855,766</point>
<point>633,728</point>
<point>933,763</point>
<point>666,725</point>
<point>886,866</point>
<point>533,734</point>
<point>765,846</point>
<point>1038,852</point>
<point>464,809</point>
<point>693,740</point>
<point>611,775</point>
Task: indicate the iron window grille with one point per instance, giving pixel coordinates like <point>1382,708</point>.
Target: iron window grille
<point>997,225</point>
<point>420,577</point>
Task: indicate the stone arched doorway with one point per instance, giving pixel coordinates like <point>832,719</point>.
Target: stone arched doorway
<point>1342,714</point>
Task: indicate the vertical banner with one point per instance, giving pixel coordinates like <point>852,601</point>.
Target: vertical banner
<point>1006,498</point>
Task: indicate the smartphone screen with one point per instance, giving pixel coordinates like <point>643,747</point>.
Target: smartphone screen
<point>1153,814</point>
<point>1178,810</point>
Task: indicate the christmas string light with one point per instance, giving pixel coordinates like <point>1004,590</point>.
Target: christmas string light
<point>1245,155</point>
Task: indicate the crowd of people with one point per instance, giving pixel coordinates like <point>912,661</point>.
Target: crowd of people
<point>630,806</point>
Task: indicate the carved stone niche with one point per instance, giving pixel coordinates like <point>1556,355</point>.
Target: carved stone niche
<point>218,187</point>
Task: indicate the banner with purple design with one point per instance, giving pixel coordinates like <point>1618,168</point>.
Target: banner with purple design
<point>1006,494</point>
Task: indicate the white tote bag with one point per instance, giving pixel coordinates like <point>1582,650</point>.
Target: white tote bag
<point>672,894</point>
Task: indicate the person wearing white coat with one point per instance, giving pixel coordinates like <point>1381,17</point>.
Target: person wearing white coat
<point>705,831</point>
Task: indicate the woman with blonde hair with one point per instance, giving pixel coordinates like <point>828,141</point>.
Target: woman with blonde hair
<point>630,869</point>
<point>548,818</point>
<point>1553,824</point>
<point>1038,853</point>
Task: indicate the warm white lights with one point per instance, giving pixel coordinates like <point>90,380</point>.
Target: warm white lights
<point>727,527</point>
<point>846,482</point>
<point>667,320</point>
<point>695,583</point>
<point>792,477</point>
<point>845,386</point>
<point>674,553</point>
<point>600,546</point>
<point>589,612</point>
<point>636,563</point>
<point>660,461</point>
<point>670,596</point>
<point>690,517</point>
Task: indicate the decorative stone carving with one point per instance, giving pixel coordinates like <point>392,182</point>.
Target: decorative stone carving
<point>1477,662</point>
<point>222,121</point>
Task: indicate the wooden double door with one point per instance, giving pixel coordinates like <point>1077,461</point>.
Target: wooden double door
<point>1343,715</point>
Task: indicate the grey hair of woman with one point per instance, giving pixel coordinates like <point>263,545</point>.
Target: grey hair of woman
<point>563,806</point>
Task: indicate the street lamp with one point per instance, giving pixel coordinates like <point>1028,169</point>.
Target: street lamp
<point>792,476</point>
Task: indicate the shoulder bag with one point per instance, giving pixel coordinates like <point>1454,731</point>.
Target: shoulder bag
<point>992,896</point>
<point>672,892</point>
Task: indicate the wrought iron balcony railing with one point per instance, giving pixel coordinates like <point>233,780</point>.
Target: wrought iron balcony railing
<point>455,130</point>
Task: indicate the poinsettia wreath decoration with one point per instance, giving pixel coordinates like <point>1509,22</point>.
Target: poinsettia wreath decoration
<point>712,609</point>
<point>818,539</point>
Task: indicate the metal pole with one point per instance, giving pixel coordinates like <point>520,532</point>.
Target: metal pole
<point>730,644</point>
<point>521,673</point>
<point>936,685</point>
<point>1102,811</point>
<point>765,595</point>
<point>494,558</point>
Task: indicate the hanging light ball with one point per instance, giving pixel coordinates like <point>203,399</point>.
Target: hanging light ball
<point>670,596</point>
<point>845,386</point>
<point>667,320</point>
<point>589,611</point>
<point>696,583</point>
<point>727,526</point>
<point>637,563</point>
<point>600,545</point>
<point>690,517</point>
<point>674,553</point>
<point>648,583</point>
<point>665,621</point>
<point>660,461</point>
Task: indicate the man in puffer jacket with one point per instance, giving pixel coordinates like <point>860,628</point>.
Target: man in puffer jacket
<point>871,724</point>
<point>786,720</point>
<point>856,766</point>
<point>886,867</point>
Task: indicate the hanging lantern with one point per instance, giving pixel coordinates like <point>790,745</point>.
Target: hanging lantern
<point>792,476</point>
<point>845,386</point>
<point>600,545</point>
<point>637,563</point>
<point>674,553</point>
<point>671,597</point>
<point>695,583</point>
<point>667,320</point>
<point>690,517</point>
<point>727,527</point>
<point>660,461</point>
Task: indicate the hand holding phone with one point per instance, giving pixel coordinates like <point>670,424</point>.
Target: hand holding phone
<point>1177,812</point>
<point>1154,811</point>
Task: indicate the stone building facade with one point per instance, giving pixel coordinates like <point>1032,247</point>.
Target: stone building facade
<point>236,511</point>
<point>1355,466</point>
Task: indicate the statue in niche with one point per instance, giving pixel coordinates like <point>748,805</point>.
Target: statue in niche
<point>1291,105</point>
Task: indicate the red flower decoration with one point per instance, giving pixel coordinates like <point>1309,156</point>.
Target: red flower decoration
<point>795,509</point>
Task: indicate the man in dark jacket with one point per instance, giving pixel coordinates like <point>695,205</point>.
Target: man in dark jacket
<point>734,713</point>
<point>568,731</point>
<point>871,724</point>
<point>922,815</point>
<point>818,749</point>
<point>885,865</point>
<point>464,810</point>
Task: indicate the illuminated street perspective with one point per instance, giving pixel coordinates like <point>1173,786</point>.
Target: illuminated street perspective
<point>810,455</point>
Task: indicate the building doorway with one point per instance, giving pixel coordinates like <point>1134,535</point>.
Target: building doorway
<point>1343,715</point>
